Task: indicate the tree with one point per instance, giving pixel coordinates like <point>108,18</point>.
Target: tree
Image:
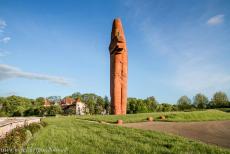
<point>39,101</point>
<point>54,99</point>
<point>15,105</point>
<point>40,111</point>
<point>53,110</point>
<point>141,106</point>
<point>76,95</point>
<point>166,107</point>
<point>151,103</point>
<point>200,101</point>
<point>184,103</point>
<point>29,112</point>
<point>107,105</point>
<point>90,105</point>
<point>132,105</point>
<point>100,104</point>
<point>19,111</point>
<point>220,99</point>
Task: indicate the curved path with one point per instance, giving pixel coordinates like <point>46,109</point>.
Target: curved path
<point>212,132</point>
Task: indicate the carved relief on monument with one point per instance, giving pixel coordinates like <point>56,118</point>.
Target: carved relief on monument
<point>118,68</point>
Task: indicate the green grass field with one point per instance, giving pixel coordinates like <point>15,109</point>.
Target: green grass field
<point>205,115</point>
<point>74,136</point>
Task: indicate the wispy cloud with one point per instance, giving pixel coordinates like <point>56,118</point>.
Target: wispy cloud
<point>194,65</point>
<point>216,20</point>
<point>2,24</point>
<point>5,39</point>
<point>190,54</point>
<point>7,72</point>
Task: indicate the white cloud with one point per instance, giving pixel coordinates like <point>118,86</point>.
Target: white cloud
<point>5,39</point>
<point>2,24</point>
<point>7,72</point>
<point>216,20</point>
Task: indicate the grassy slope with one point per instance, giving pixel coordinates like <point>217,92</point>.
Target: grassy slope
<point>170,116</point>
<point>79,136</point>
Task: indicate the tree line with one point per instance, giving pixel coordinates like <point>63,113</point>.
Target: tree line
<point>21,106</point>
<point>200,101</point>
<point>184,103</point>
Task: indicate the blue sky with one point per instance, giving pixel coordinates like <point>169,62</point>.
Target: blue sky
<point>59,47</point>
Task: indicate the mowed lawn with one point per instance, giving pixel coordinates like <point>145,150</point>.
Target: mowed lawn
<point>205,115</point>
<point>79,136</point>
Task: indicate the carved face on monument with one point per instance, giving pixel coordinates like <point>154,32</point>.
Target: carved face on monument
<point>118,42</point>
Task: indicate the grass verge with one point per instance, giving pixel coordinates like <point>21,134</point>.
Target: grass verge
<point>71,135</point>
<point>206,115</point>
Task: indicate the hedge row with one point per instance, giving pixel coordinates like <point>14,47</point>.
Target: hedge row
<point>19,137</point>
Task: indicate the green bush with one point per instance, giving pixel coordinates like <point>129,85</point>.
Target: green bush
<point>43,123</point>
<point>29,112</point>
<point>13,141</point>
<point>28,136</point>
<point>18,137</point>
<point>34,127</point>
<point>3,114</point>
<point>53,110</point>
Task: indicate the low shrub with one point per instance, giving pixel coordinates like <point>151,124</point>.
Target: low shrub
<point>14,141</point>
<point>43,123</point>
<point>28,136</point>
<point>34,127</point>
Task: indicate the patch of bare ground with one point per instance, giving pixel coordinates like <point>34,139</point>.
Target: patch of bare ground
<point>211,132</point>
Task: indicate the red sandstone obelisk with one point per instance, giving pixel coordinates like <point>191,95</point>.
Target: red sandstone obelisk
<point>118,68</point>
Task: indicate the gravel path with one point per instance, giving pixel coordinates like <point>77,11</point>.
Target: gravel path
<point>212,132</point>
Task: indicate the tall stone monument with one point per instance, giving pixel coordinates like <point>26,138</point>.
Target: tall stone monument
<point>118,68</point>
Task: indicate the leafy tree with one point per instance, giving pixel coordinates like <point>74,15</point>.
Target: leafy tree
<point>29,112</point>
<point>100,105</point>
<point>107,105</point>
<point>2,102</point>
<point>220,99</point>
<point>40,111</point>
<point>132,105</point>
<point>174,107</point>
<point>19,111</point>
<point>141,106</point>
<point>54,99</point>
<point>166,107</point>
<point>200,101</point>
<point>90,105</point>
<point>184,103</point>
<point>76,95</point>
<point>39,101</point>
<point>53,110</point>
<point>151,103</point>
<point>14,104</point>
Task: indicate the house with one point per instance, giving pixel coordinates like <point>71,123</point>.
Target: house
<point>67,101</point>
<point>73,106</point>
<point>80,107</point>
